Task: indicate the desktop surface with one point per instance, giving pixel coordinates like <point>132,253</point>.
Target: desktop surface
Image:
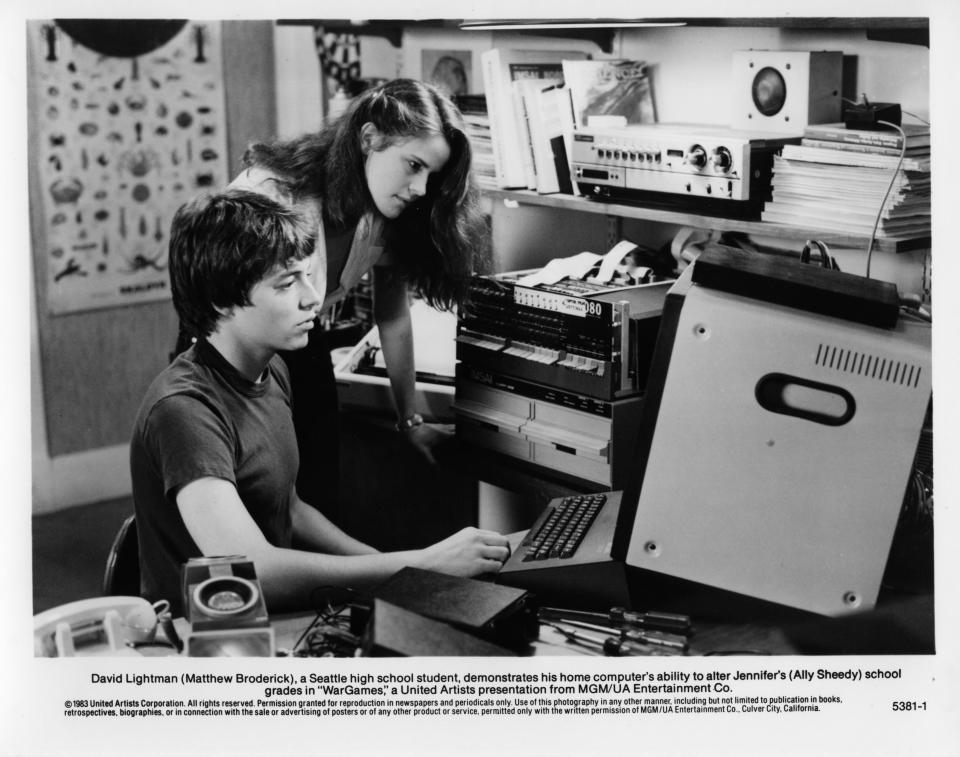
<point>901,624</point>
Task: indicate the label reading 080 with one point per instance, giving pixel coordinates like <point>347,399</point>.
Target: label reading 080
<point>558,303</point>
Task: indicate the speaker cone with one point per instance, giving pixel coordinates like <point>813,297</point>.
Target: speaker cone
<point>769,91</point>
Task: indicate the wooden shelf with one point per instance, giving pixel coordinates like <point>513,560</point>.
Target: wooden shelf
<point>907,30</point>
<point>680,218</point>
<point>891,29</point>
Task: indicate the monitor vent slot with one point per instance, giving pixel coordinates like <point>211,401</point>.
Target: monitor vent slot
<point>867,365</point>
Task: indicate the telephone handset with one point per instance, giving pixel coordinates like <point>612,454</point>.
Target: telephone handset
<point>99,626</point>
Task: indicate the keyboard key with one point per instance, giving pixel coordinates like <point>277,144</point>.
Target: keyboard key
<point>565,528</point>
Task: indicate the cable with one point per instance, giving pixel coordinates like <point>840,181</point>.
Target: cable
<point>883,202</point>
<point>326,634</point>
<point>896,173</point>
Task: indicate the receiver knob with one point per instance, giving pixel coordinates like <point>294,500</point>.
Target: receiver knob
<point>696,156</point>
<point>722,159</point>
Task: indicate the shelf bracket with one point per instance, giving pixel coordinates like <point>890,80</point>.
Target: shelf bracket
<point>614,230</point>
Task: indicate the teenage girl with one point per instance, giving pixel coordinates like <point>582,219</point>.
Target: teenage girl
<point>389,186</point>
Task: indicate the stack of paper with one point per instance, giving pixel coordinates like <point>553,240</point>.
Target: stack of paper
<point>836,180</point>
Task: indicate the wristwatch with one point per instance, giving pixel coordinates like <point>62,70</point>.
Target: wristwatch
<point>405,424</point>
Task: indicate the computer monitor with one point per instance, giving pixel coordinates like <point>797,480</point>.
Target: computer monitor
<point>778,433</point>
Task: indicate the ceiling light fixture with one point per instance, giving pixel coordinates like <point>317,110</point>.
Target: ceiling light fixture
<point>526,24</point>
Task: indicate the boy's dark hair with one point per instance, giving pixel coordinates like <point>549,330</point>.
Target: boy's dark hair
<point>222,245</point>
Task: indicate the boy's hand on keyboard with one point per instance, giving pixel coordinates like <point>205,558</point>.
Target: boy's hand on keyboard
<point>468,552</point>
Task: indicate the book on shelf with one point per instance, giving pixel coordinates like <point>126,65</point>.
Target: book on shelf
<point>508,149</point>
<point>847,223</point>
<point>609,88</point>
<point>919,151</point>
<point>525,84</point>
<point>830,156</point>
<point>476,124</point>
<point>917,231</point>
<point>898,205</point>
<point>550,117</point>
<point>828,175</point>
<point>916,134</point>
<point>471,104</point>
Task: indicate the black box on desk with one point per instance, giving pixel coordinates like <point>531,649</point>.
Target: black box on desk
<point>392,631</point>
<point>502,615</point>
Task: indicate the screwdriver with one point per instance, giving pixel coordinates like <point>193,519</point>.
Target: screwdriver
<point>640,636</point>
<point>666,621</point>
<point>663,621</point>
<point>611,647</point>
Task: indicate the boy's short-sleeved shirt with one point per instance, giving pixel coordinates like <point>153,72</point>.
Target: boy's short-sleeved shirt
<point>200,418</point>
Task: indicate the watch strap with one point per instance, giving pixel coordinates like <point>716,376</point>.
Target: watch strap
<point>412,421</point>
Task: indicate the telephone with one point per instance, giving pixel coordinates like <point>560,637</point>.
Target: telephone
<point>100,626</point>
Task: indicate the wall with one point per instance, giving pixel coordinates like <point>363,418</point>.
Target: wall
<point>299,88</point>
<point>90,370</point>
<point>692,66</point>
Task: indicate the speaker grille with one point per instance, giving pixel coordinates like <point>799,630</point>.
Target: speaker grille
<point>867,365</point>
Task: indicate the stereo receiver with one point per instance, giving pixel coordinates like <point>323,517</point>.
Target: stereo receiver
<point>703,168</point>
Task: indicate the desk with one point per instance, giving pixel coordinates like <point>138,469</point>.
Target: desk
<point>903,626</point>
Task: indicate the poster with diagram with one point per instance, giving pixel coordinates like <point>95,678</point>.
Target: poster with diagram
<point>123,140</point>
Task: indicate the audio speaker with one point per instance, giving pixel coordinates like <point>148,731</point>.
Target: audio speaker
<point>781,92</point>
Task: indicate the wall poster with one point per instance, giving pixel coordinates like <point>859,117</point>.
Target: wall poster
<point>122,143</point>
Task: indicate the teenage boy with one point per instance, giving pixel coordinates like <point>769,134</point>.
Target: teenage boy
<point>214,455</point>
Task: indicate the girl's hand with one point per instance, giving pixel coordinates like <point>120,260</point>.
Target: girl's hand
<point>426,436</point>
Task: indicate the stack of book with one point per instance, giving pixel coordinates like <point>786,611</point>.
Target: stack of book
<point>511,79</point>
<point>836,180</point>
<point>476,123</point>
<point>535,100</point>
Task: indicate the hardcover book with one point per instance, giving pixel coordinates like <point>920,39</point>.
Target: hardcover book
<point>550,115</point>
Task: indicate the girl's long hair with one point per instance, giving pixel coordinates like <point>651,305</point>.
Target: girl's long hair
<point>440,240</point>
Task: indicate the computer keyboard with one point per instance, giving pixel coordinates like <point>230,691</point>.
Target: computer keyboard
<point>563,530</point>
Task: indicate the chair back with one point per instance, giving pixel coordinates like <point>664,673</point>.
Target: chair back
<point>122,574</point>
